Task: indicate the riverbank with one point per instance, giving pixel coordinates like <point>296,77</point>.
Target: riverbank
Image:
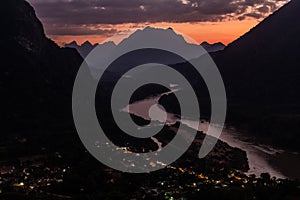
<point>288,163</point>
<point>262,158</point>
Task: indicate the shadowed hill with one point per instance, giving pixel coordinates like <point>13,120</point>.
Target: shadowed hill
<point>263,64</point>
<point>219,46</point>
<point>261,72</point>
<point>36,75</point>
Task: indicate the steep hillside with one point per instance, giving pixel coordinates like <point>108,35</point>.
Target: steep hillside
<point>261,71</point>
<point>36,75</point>
<point>263,64</point>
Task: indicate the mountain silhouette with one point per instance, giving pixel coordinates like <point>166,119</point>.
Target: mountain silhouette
<point>36,75</point>
<point>167,37</point>
<point>85,48</point>
<point>263,64</point>
<point>262,78</point>
<point>219,46</point>
<point>144,37</point>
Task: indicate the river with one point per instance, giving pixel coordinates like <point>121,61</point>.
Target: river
<point>258,154</point>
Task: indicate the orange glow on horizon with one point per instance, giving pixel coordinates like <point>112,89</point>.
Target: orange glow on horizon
<point>212,32</point>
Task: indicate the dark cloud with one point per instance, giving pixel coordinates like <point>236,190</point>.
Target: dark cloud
<point>255,15</point>
<point>264,9</point>
<point>56,13</point>
<point>79,30</point>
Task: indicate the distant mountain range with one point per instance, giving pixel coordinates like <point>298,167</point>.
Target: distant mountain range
<point>85,48</point>
<point>219,46</point>
<point>168,36</point>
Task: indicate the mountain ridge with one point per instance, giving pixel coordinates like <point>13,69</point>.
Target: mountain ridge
<point>211,48</point>
<point>262,77</point>
<point>151,33</point>
<point>265,53</point>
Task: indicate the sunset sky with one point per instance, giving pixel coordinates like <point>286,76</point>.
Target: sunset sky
<point>202,20</point>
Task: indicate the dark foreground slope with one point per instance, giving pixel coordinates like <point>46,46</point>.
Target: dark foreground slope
<point>36,75</point>
<point>261,71</point>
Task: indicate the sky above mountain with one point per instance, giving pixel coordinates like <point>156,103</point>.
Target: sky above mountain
<point>202,20</point>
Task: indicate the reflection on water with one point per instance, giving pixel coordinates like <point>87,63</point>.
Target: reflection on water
<point>258,155</point>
